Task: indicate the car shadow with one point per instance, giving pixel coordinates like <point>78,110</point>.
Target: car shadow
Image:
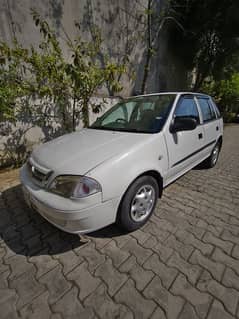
<point>200,167</point>
<point>108,232</point>
<point>25,232</point>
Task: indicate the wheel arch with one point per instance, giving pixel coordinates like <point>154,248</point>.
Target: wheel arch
<point>153,173</point>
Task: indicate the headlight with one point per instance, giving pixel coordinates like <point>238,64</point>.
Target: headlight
<point>74,186</point>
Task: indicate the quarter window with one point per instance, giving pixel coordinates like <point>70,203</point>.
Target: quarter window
<point>207,113</point>
<point>187,108</point>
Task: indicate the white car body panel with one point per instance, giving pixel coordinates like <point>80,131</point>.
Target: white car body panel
<point>114,159</point>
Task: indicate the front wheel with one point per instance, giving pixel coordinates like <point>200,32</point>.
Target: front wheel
<point>138,203</point>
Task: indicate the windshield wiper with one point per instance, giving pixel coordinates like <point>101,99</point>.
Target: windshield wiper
<point>103,128</point>
<point>120,129</point>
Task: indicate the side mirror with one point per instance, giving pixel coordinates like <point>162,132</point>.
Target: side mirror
<point>181,123</point>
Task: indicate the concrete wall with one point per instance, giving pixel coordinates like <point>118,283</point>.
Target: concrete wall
<point>120,22</point>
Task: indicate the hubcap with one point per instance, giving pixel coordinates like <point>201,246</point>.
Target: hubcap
<point>215,153</point>
<point>142,203</point>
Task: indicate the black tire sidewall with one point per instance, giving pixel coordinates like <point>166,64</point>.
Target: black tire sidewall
<point>211,157</point>
<point>124,218</point>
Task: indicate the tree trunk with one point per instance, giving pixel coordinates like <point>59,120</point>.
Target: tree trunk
<point>74,115</point>
<point>149,48</point>
<point>85,113</point>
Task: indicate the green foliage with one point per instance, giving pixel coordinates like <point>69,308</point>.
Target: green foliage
<point>210,41</point>
<point>12,85</point>
<point>226,95</point>
<point>44,73</point>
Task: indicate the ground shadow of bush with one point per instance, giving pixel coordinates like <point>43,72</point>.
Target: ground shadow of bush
<point>25,232</point>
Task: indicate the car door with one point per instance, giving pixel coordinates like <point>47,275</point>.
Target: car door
<point>211,125</point>
<point>184,146</point>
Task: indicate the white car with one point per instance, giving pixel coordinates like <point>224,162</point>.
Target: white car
<point>116,169</point>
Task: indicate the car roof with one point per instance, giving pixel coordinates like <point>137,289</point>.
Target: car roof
<point>176,93</point>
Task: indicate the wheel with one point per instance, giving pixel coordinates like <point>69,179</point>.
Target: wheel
<point>138,203</point>
<point>211,161</point>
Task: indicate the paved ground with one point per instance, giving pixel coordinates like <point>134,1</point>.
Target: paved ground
<point>183,264</point>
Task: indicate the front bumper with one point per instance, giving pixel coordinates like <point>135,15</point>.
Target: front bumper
<point>73,216</point>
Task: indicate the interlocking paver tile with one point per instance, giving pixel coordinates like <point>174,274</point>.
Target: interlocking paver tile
<point>221,257</point>
<point>133,247</point>
<point>166,273</point>
<point>70,307</point>
<point>141,276</point>
<point>199,300</point>
<point>216,269</point>
<point>217,311</point>
<point>68,260</point>
<point>188,312</point>
<point>231,279</point>
<point>117,255</point>
<point>184,250</point>
<point>27,287</point>
<point>56,283</point>
<point>38,308</point>
<point>223,244</point>
<point>111,276</point>
<point>158,314</point>
<point>192,272</point>
<point>8,300</point>
<point>84,280</point>
<point>172,305</point>
<point>105,307</point>
<point>43,263</point>
<point>228,296</point>
<point>94,259</point>
<point>129,295</point>
<point>163,251</point>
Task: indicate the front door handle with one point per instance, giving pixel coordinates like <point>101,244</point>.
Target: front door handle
<point>200,136</point>
<point>217,128</point>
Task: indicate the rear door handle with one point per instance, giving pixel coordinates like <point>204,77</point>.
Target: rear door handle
<point>200,135</point>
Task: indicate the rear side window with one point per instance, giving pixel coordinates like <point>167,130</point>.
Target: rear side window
<point>215,108</point>
<point>187,108</point>
<point>208,113</point>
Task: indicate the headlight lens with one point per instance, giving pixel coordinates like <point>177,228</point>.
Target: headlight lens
<point>74,186</point>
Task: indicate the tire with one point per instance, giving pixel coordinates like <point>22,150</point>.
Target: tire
<point>211,161</point>
<point>138,203</point>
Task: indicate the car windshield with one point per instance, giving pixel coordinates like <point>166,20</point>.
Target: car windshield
<point>143,114</point>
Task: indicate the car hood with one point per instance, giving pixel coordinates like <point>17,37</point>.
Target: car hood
<point>80,152</point>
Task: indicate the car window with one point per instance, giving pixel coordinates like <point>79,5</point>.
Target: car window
<point>187,108</point>
<point>213,104</point>
<point>119,113</point>
<point>145,114</point>
<point>208,113</point>
<point>122,113</point>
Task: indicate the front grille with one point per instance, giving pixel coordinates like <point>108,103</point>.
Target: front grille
<point>37,173</point>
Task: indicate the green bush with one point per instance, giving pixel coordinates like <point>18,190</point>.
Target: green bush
<point>226,95</point>
<point>35,77</point>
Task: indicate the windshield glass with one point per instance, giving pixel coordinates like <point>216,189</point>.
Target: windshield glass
<point>146,114</point>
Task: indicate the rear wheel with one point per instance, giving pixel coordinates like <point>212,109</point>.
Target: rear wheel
<point>138,203</point>
<point>211,161</point>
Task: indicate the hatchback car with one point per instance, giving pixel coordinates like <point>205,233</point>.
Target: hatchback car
<point>116,169</point>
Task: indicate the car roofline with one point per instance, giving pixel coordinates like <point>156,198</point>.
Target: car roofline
<point>173,93</point>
